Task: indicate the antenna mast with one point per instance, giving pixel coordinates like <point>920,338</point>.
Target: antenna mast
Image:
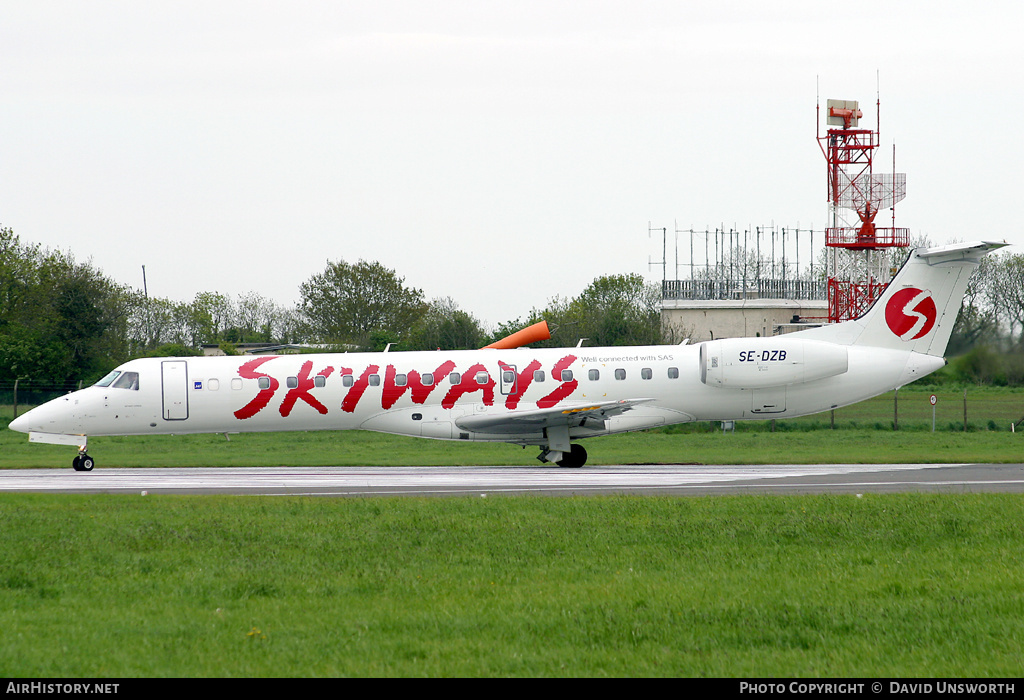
<point>859,271</point>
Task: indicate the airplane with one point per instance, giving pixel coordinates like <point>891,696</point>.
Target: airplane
<point>548,398</point>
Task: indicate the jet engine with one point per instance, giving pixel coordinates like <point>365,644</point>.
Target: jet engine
<point>760,363</point>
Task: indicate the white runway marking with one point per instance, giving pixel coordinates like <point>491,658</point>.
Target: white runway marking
<point>381,480</point>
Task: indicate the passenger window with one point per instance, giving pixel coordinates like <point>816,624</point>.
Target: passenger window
<point>482,377</point>
<point>620,374</point>
<point>673,373</point>
<point>374,380</point>
<point>347,380</point>
<point>593,375</point>
<point>127,380</point>
<point>319,380</point>
<point>646,373</point>
<point>508,377</point>
<point>236,383</point>
<point>566,375</point>
<point>455,378</point>
<point>400,380</point>
<point>428,379</point>
<point>213,384</point>
<point>538,376</point>
<point>291,382</point>
<point>264,382</point>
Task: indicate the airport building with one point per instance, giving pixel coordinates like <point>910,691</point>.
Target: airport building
<point>755,283</point>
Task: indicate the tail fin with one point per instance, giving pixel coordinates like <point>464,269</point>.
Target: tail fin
<point>918,309</point>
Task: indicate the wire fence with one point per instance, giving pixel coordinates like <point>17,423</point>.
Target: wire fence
<point>970,408</point>
<point>18,396</point>
<point>977,408</point>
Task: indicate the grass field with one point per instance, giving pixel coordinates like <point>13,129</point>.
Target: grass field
<point>893,585</point>
<point>860,446</point>
<point>908,585</point>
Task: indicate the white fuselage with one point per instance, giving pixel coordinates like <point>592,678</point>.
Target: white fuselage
<point>428,394</point>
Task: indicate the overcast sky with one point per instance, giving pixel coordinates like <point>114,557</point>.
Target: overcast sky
<point>500,153</point>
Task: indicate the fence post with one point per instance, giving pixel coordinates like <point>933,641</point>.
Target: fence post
<point>965,409</point>
<point>896,410</point>
<point>15,398</point>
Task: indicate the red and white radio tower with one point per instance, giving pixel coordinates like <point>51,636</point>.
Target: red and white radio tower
<point>858,268</point>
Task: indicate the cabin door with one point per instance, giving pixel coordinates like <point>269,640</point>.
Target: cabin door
<point>174,377</point>
<point>508,379</point>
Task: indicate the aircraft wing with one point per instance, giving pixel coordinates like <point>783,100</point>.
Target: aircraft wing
<point>531,421</point>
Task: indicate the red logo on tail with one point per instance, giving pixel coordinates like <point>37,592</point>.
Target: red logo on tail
<point>910,313</point>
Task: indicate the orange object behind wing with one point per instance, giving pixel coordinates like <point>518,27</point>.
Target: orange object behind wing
<point>531,334</point>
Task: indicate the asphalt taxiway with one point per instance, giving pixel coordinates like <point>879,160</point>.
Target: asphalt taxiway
<point>677,480</point>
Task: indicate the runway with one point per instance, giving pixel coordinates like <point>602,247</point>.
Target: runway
<point>675,480</point>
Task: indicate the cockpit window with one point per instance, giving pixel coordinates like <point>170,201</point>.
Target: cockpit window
<point>127,380</point>
<point>107,380</point>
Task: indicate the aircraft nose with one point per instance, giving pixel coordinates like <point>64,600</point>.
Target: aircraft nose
<point>51,417</point>
<point>20,423</point>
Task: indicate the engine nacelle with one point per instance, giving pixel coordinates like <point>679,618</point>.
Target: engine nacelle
<point>760,363</point>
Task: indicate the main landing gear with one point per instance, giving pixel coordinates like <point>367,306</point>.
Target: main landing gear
<point>559,450</point>
<point>575,458</point>
<point>83,462</point>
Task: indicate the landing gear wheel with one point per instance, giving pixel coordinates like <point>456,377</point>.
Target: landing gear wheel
<point>83,463</point>
<point>575,458</point>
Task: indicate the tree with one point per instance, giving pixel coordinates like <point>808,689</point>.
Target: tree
<point>212,313</point>
<point>612,310</point>
<point>58,318</point>
<point>349,303</point>
<point>254,320</point>
<point>978,321</point>
<point>1006,293</point>
<point>444,326</point>
<point>621,310</point>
